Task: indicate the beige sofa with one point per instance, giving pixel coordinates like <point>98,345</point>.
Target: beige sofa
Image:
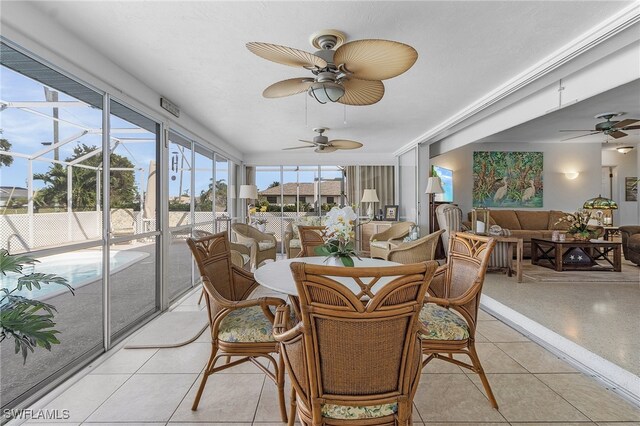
<point>527,224</point>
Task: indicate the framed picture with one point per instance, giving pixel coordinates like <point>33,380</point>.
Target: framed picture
<point>391,212</point>
<point>631,188</point>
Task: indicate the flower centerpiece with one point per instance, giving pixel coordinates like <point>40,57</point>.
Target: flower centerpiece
<point>578,225</point>
<point>257,217</point>
<point>339,236</point>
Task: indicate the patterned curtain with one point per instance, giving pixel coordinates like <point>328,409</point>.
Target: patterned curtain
<point>380,178</point>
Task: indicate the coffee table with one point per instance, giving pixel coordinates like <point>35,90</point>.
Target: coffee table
<point>573,255</point>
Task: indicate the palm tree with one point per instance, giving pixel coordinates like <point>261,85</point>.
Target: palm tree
<point>5,145</point>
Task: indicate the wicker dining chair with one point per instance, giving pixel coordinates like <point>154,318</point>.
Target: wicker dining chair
<point>310,238</point>
<point>354,359</point>
<point>263,245</point>
<point>420,250</point>
<point>381,243</point>
<point>239,327</point>
<point>449,316</point>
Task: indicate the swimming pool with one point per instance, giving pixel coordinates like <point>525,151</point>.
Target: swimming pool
<point>79,268</point>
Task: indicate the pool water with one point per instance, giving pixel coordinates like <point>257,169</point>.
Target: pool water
<point>79,268</point>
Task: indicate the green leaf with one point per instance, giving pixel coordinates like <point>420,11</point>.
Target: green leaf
<point>28,328</point>
<point>347,261</point>
<point>322,251</point>
<point>13,263</point>
<point>37,279</point>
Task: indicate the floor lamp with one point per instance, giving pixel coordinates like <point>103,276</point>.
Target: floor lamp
<point>248,192</point>
<point>433,187</point>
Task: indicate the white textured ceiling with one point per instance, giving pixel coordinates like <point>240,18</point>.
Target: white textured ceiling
<point>580,116</point>
<point>194,53</point>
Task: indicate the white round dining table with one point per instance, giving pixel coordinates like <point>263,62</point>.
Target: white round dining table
<point>277,275</point>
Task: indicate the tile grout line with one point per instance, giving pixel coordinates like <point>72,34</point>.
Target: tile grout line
<point>255,413</point>
<point>195,382</point>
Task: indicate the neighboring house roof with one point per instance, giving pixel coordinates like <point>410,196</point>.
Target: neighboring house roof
<point>327,188</point>
<point>18,192</point>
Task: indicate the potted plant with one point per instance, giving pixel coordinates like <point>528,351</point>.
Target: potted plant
<point>339,237</point>
<point>578,225</point>
<point>259,221</point>
<point>28,322</point>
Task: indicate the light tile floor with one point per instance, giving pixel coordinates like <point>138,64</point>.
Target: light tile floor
<point>532,386</point>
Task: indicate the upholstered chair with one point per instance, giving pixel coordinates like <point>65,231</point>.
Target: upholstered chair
<point>420,250</point>
<point>354,359</point>
<point>381,243</point>
<point>263,246</point>
<point>631,243</point>
<point>239,327</point>
<point>450,314</point>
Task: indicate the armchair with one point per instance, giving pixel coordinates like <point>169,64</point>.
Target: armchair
<point>310,238</point>
<point>631,243</point>
<point>449,316</point>
<point>354,359</point>
<point>263,246</point>
<point>420,250</point>
<point>239,327</point>
<point>384,241</point>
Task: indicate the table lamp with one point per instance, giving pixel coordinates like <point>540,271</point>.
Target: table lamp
<point>602,203</point>
<point>433,187</point>
<point>370,197</point>
<point>248,192</point>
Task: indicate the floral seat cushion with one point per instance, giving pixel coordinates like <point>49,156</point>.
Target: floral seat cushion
<point>304,221</point>
<point>442,323</point>
<point>266,245</point>
<point>294,243</point>
<point>246,325</point>
<point>347,412</point>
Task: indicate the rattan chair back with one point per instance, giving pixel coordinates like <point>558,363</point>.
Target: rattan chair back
<point>358,348</point>
<point>213,257</point>
<point>467,261</point>
<point>247,231</point>
<point>310,238</point>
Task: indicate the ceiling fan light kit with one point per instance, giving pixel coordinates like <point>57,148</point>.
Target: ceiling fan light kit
<point>345,72</point>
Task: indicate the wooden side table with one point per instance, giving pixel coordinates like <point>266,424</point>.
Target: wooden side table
<point>610,232</point>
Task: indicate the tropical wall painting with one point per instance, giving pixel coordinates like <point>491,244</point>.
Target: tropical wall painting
<point>507,179</point>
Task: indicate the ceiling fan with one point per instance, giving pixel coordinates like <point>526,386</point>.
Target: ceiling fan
<point>347,73</point>
<point>323,145</point>
<point>608,127</point>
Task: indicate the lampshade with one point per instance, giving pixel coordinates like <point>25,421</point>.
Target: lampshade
<point>369,196</point>
<point>248,191</point>
<point>434,186</point>
<point>600,203</point>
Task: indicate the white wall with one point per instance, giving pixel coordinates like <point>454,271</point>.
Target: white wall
<point>407,174</point>
<point>626,165</point>
<point>560,193</point>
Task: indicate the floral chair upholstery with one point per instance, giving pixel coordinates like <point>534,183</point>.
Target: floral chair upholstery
<point>354,359</point>
<point>381,243</point>
<point>292,244</point>
<point>240,327</point>
<point>450,313</point>
<point>263,246</point>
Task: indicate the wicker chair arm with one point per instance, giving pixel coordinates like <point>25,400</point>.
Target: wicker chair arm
<point>439,301</point>
<point>281,330</point>
<point>241,248</point>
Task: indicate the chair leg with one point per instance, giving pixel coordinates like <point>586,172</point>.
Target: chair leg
<point>280,377</point>
<point>485,383</point>
<point>205,376</point>
<point>294,406</point>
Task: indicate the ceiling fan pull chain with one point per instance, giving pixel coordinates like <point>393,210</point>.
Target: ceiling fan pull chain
<point>345,113</point>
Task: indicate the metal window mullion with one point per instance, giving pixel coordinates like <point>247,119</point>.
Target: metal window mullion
<point>282,251</point>
<point>106,224</point>
<point>162,213</point>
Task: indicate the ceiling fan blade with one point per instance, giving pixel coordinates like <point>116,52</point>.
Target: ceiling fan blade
<point>302,140</point>
<point>296,147</point>
<point>375,59</point>
<point>286,55</point>
<point>583,130</point>
<point>617,134</point>
<point>630,128</point>
<point>624,123</point>
<point>345,144</point>
<point>288,87</point>
<point>581,136</point>
<point>361,92</point>
<point>325,149</point>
